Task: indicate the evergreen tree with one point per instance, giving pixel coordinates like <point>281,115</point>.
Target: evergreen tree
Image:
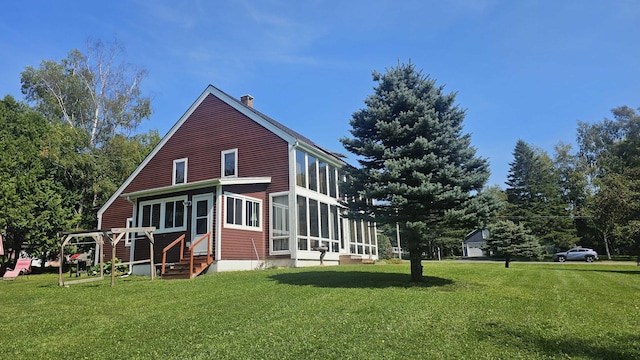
<point>535,199</point>
<point>414,161</point>
<point>384,247</point>
<point>510,240</point>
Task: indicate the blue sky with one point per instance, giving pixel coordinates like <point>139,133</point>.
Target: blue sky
<point>527,69</point>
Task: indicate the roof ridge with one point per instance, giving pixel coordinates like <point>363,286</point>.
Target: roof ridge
<point>285,128</point>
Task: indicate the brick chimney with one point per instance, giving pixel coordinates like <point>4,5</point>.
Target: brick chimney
<point>247,100</point>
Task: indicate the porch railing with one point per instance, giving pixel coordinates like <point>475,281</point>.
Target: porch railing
<point>192,247</point>
<point>179,240</point>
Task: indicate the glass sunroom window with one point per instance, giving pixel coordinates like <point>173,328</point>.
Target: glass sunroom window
<point>313,173</point>
<point>301,169</point>
<point>322,178</point>
<point>280,223</point>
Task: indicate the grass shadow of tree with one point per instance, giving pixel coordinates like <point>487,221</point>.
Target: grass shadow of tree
<point>565,346</point>
<point>356,279</point>
<point>625,272</point>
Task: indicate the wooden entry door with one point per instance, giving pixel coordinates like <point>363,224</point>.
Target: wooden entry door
<point>202,221</point>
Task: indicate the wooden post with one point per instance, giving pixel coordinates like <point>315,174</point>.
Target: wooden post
<point>153,268</point>
<point>60,283</point>
<point>113,262</point>
<point>101,256</point>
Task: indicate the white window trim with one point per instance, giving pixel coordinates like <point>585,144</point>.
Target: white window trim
<point>244,214</point>
<point>161,229</point>
<point>235,170</point>
<point>127,237</point>
<point>173,176</point>
<point>271,222</point>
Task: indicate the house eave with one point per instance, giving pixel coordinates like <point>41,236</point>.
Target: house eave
<point>196,185</point>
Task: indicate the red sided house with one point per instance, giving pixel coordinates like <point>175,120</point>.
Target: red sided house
<point>267,195</point>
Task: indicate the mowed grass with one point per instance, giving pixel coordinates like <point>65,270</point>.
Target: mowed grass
<point>464,311</point>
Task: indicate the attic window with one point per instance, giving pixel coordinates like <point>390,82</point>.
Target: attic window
<point>179,171</point>
<point>230,163</point>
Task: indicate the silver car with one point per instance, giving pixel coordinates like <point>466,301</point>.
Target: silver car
<point>576,253</point>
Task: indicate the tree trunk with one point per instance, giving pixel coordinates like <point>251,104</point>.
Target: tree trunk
<point>606,244</point>
<point>415,257</point>
<point>506,261</point>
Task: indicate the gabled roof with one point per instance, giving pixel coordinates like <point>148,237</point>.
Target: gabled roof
<point>477,235</point>
<point>270,124</point>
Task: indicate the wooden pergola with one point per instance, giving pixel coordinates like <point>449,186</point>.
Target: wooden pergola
<point>114,235</point>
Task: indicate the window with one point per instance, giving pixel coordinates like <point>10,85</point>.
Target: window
<point>323,178</point>
<point>252,213</point>
<point>335,223</point>
<point>166,215</point>
<point>301,169</point>
<point>173,214</point>
<point>362,237</point>
<point>314,229</point>
<point>179,171</point>
<point>234,211</point>
<point>313,173</point>
<point>302,223</point>
<point>230,163</point>
<point>333,182</point>
<point>317,225</point>
<point>317,175</point>
<point>324,220</point>
<point>151,215</point>
<point>280,223</point>
<point>243,212</point>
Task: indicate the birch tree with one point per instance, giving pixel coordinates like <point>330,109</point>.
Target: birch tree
<point>96,92</point>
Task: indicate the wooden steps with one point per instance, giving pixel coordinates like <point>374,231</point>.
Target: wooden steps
<point>354,260</point>
<point>181,270</point>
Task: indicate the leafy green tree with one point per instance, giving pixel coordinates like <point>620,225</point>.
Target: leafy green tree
<point>414,161</point>
<point>612,149</point>
<point>572,178</point>
<point>98,95</point>
<point>33,205</point>
<point>511,240</point>
<point>612,206</point>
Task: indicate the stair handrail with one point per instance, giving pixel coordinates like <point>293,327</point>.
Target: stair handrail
<point>193,244</point>
<point>166,248</point>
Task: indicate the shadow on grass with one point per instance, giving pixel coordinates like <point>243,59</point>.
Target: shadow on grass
<point>621,347</point>
<point>356,279</point>
<point>626,272</point>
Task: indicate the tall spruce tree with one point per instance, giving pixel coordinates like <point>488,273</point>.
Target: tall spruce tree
<point>534,197</point>
<point>415,162</point>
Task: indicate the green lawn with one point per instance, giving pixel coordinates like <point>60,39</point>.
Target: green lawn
<point>465,311</point>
